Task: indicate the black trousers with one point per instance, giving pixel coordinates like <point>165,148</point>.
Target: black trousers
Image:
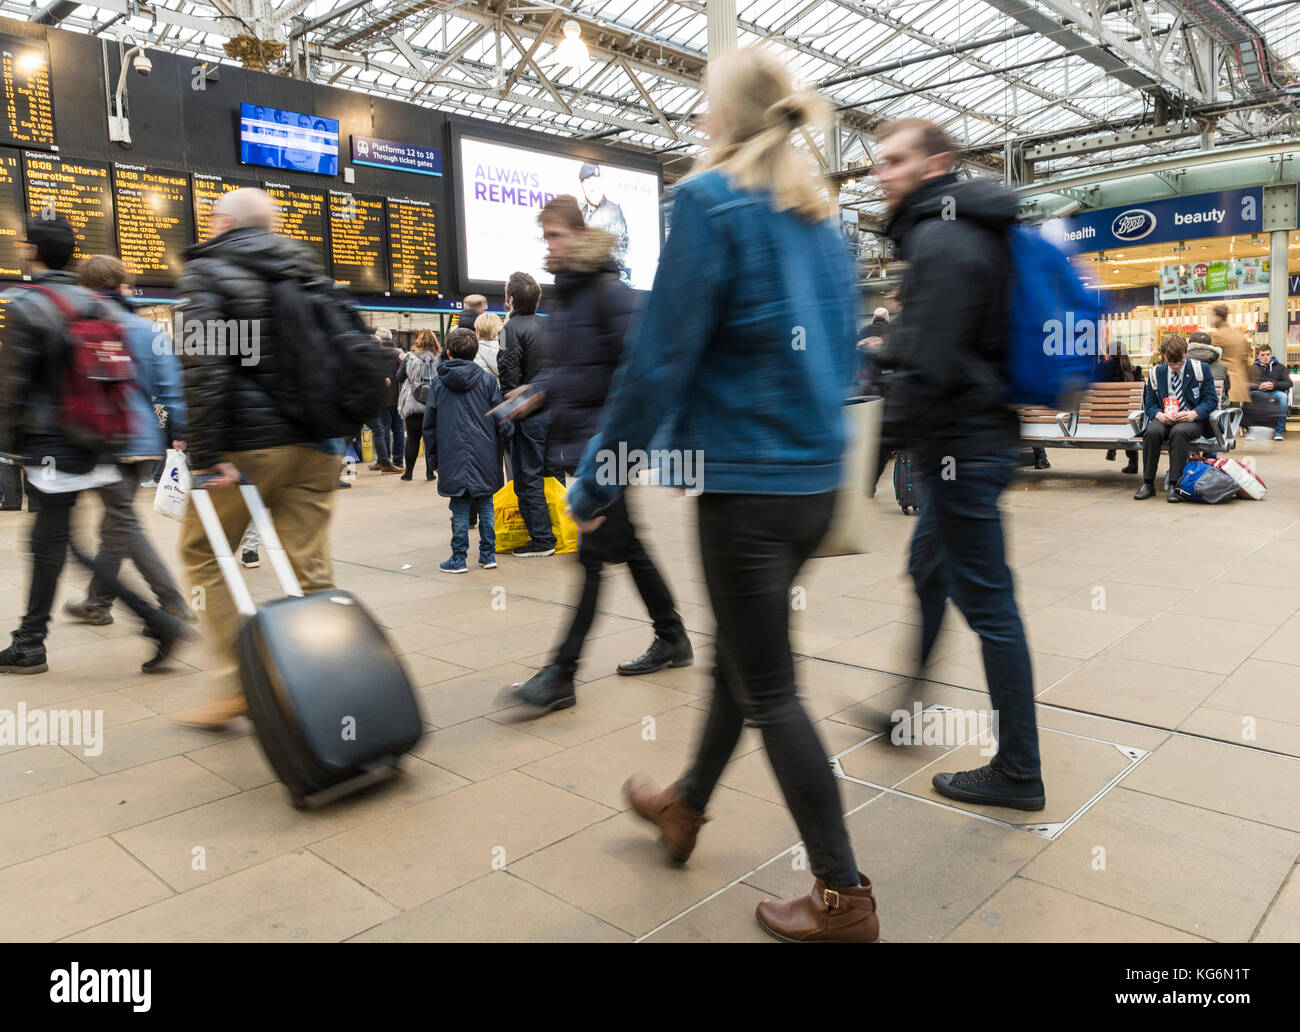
<point>414,434</point>
<point>616,541</point>
<point>51,536</point>
<point>753,547</point>
<point>1179,435</point>
<point>528,465</point>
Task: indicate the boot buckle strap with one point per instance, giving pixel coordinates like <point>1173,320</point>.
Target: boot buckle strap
<point>831,898</point>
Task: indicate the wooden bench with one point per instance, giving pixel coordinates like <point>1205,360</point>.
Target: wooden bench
<point>1110,416</point>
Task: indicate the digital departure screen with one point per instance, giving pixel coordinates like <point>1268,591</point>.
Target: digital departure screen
<point>300,216</point>
<point>11,215</point>
<point>79,191</point>
<point>153,224</point>
<point>413,247</point>
<point>28,117</point>
<point>207,191</point>
<point>357,243</point>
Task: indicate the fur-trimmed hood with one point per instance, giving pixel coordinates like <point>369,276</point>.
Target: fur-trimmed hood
<point>592,251</point>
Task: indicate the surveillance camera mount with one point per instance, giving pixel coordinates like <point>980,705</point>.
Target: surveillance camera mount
<point>119,126</point>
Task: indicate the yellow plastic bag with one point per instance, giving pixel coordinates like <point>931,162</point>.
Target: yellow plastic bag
<point>557,504</point>
<point>511,532</point>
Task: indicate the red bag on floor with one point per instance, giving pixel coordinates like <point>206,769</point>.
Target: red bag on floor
<point>1247,480</point>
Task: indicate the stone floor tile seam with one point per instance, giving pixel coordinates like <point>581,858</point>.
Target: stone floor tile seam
<point>475,880</point>
<point>1086,899</point>
<point>1291,874</point>
<point>1211,809</point>
<point>235,790</point>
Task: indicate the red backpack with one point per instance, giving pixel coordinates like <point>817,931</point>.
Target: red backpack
<point>98,377</point>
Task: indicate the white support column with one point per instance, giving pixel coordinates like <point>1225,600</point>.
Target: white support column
<point>1277,292</point>
<point>1279,218</point>
<point>722,26</point>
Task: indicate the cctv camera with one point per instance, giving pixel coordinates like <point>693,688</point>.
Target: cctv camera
<point>142,64</point>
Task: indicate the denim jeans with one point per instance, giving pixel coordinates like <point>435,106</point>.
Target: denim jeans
<point>379,437</point>
<point>528,457</point>
<point>958,552</point>
<point>398,429</point>
<point>487,539</point>
<point>752,548</point>
<point>616,541</point>
<point>1280,398</point>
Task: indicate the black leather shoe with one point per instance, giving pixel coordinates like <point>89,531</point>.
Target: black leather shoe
<point>1132,466</point>
<point>167,632</point>
<point>16,660</point>
<point>991,786</point>
<point>1042,463</point>
<point>1147,490</point>
<point>548,689</point>
<point>661,653</point>
<point>1173,495</point>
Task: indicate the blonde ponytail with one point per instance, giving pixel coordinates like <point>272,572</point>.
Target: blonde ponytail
<point>751,95</point>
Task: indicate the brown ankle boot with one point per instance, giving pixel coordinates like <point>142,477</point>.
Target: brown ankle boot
<point>824,915</point>
<point>667,811</point>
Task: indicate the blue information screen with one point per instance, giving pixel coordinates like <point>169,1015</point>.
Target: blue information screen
<point>290,140</point>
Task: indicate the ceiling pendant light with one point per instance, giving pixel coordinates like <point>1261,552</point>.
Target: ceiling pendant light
<point>572,52</point>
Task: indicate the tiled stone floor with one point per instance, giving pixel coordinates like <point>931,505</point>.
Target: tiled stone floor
<point>1166,648</point>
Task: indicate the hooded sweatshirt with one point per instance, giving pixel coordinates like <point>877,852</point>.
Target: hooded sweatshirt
<point>950,339</point>
<point>460,438</point>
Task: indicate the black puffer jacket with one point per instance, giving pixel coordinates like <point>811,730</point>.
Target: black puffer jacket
<point>520,358</point>
<point>33,357</point>
<point>950,341</point>
<point>231,398</point>
<point>584,342</point>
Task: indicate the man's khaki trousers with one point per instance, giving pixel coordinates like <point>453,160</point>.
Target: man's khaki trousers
<point>298,486</point>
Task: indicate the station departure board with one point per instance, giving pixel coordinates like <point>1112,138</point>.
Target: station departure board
<point>27,115</point>
<point>78,190</point>
<point>153,222</point>
<point>301,216</point>
<point>357,243</point>
<point>207,191</point>
<point>12,229</point>
<point>413,247</point>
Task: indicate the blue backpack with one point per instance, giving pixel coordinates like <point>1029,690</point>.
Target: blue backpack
<point>1053,343</point>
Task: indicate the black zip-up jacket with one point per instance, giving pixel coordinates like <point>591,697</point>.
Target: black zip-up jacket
<point>231,400</point>
<point>33,357</point>
<point>585,331</point>
<point>950,340</point>
<point>520,359</point>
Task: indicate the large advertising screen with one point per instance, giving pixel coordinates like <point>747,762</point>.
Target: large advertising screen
<point>504,186</point>
<point>288,139</point>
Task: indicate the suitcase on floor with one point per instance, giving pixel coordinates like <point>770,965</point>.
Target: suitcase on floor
<point>330,699</point>
<point>907,484</point>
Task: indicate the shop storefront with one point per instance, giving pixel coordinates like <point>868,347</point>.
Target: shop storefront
<point>1160,266</point>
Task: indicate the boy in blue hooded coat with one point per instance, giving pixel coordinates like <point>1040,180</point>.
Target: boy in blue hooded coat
<point>460,442</point>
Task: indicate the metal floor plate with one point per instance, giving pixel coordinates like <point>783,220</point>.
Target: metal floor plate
<point>1078,771</point>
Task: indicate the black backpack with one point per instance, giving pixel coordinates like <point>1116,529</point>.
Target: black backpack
<point>333,373</point>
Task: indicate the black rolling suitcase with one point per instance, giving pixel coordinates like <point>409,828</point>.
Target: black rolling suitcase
<point>907,485</point>
<point>330,699</point>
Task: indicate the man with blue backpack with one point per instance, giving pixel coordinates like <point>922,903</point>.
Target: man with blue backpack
<point>958,317</point>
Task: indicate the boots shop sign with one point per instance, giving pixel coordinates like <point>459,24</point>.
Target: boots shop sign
<point>1159,222</point>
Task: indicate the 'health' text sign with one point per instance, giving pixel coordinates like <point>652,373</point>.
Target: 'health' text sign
<point>405,157</point>
<point>1158,222</point>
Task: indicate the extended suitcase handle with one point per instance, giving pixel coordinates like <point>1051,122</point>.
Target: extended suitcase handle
<point>226,560</point>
